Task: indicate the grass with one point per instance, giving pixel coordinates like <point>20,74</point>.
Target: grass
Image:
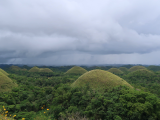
<point>6,83</point>
<point>4,72</point>
<point>99,79</point>
<point>115,71</point>
<point>123,69</point>
<point>134,68</point>
<point>76,70</point>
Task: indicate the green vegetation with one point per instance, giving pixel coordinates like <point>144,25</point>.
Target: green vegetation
<point>4,72</point>
<point>144,79</point>
<point>6,83</point>
<point>115,71</point>
<point>153,68</point>
<point>99,79</point>
<point>123,69</point>
<point>134,68</point>
<point>94,95</point>
<point>76,70</point>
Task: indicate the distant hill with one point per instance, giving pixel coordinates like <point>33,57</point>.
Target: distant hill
<point>134,68</point>
<point>45,70</point>
<point>115,71</point>
<point>123,69</point>
<point>76,70</point>
<point>15,68</point>
<point>36,69</point>
<point>153,68</point>
<point>99,79</point>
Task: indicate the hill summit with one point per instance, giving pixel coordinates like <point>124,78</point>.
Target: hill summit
<point>99,79</point>
<point>76,70</point>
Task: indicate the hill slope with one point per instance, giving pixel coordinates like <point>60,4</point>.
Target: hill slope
<point>4,72</point>
<point>6,83</point>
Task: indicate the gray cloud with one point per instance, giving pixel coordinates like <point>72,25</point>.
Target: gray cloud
<point>78,31</point>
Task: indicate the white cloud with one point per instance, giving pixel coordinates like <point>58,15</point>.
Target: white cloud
<point>30,30</point>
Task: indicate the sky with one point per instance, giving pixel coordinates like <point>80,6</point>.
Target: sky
<point>72,32</point>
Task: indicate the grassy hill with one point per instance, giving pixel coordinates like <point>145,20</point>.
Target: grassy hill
<point>15,68</point>
<point>123,69</point>
<point>115,71</point>
<point>140,73</point>
<point>4,72</point>
<point>34,69</point>
<point>99,79</point>
<point>76,70</point>
<point>153,68</point>
<point>45,70</point>
<point>6,83</point>
<point>134,68</point>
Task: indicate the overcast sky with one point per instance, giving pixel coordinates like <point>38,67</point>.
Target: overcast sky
<point>56,32</point>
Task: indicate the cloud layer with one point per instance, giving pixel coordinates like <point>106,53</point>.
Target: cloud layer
<point>79,32</point>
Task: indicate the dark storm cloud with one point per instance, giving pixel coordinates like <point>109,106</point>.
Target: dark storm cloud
<point>65,29</point>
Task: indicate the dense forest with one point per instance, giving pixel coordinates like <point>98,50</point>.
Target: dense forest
<point>80,93</point>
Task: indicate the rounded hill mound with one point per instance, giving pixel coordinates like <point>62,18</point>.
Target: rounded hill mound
<point>4,72</point>
<point>141,73</point>
<point>15,68</point>
<point>24,69</point>
<point>45,70</point>
<point>34,69</point>
<point>99,79</point>
<point>76,70</point>
<point>115,71</point>
<point>6,83</point>
<point>134,68</point>
<point>123,69</point>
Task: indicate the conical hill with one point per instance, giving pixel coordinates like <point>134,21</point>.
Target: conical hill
<point>45,70</point>
<point>34,69</point>
<point>76,70</point>
<point>99,79</point>
<point>134,68</point>
<point>15,68</point>
<point>4,72</point>
<point>123,69</point>
<point>141,73</point>
<point>115,71</point>
<point>6,83</point>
